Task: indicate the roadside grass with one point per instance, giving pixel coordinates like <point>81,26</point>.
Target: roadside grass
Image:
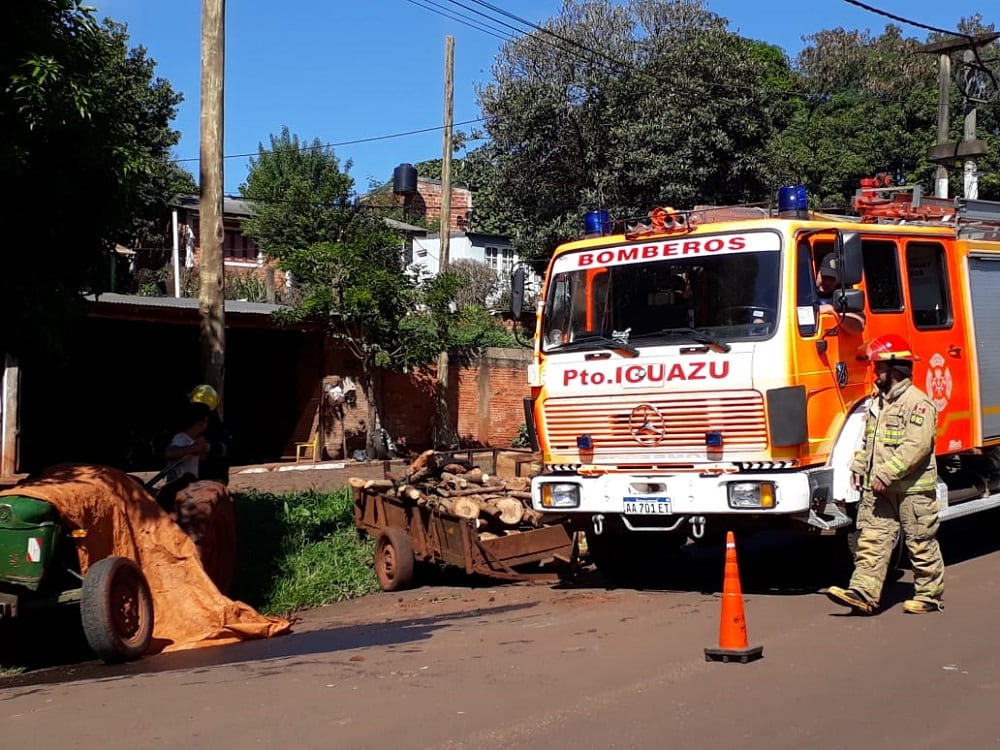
<point>299,550</point>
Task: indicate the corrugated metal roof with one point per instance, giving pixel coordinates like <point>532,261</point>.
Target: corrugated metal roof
<point>230,206</point>
<point>402,226</point>
<point>184,303</point>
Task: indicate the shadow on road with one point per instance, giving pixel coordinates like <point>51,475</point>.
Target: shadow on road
<point>262,656</point>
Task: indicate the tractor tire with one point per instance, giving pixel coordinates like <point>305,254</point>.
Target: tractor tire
<point>116,608</point>
<point>394,562</point>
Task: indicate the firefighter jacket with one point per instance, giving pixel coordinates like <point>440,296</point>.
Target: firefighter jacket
<point>898,442</point>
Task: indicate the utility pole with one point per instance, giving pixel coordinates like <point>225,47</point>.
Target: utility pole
<point>970,148</point>
<point>445,435</point>
<point>211,296</point>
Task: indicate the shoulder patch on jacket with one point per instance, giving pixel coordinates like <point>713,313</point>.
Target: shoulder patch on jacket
<point>916,418</point>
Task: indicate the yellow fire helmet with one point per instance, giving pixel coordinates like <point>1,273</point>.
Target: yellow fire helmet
<point>205,394</point>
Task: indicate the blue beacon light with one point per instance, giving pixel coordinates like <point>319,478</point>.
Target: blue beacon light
<point>793,203</point>
<point>596,223</point>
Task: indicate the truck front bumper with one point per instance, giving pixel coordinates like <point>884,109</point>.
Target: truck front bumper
<point>801,494</point>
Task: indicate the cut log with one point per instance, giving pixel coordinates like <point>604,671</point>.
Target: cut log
<point>443,506</point>
<point>465,507</point>
<point>454,481</point>
<point>534,517</point>
<point>520,495</point>
<point>476,475</point>
<point>356,482</point>
<point>511,511</point>
<point>409,492</point>
<point>518,484</point>
<point>473,490</point>
<point>378,484</point>
<point>454,468</point>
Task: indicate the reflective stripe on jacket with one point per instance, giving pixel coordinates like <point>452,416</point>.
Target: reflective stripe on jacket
<point>898,442</point>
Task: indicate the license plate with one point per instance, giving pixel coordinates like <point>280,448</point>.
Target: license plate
<point>647,506</point>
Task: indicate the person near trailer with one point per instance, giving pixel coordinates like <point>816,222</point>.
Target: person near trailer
<point>215,464</point>
<point>895,471</point>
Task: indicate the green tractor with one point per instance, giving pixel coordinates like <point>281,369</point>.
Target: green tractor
<point>39,567</point>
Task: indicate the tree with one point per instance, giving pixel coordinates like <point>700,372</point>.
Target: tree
<point>299,193</point>
<point>345,260</point>
<point>85,143</point>
<point>621,108</point>
<point>477,282</point>
<point>870,106</point>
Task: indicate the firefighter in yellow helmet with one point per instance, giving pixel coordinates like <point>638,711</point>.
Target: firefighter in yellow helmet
<point>215,465</point>
<point>896,473</point>
<point>205,394</point>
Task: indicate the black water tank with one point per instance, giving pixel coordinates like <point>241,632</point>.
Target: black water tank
<point>404,179</point>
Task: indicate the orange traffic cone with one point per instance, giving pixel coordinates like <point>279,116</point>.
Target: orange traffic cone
<point>733,625</point>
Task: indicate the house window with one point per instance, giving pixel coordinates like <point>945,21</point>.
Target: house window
<point>237,246</point>
<point>501,260</point>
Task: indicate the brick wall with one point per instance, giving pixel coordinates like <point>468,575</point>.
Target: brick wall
<point>486,404</point>
<point>461,204</point>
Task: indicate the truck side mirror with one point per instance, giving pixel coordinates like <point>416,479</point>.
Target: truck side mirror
<point>849,300</point>
<point>847,245</point>
<point>517,293</point>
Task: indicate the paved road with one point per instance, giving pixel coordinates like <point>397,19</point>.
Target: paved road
<point>516,666</point>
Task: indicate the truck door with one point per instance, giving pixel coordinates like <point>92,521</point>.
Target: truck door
<point>939,335</point>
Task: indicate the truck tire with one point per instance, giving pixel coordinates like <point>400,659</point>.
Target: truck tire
<point>116,608</point>
<point>394,561</point>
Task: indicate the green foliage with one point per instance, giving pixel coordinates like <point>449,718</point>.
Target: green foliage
<point>84,142</point>
<point>300,196</point>
<point>871,106</point>
<point>661,114</point>
<point>300,550</point>
<point>523,439</point>
<point>245,285</point>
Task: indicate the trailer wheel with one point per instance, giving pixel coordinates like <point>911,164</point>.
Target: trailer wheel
<point>116,608</point>
<point>393,560</point>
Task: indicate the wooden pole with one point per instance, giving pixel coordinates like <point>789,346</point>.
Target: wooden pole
<point>445,434</point>
<point>11,399</point>
<point>211,294</point>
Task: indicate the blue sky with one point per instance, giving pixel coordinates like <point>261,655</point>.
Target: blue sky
<point>344,71</point>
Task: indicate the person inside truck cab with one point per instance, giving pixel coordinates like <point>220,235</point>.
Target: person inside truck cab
<point>827,282</point>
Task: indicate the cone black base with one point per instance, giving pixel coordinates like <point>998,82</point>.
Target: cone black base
<point>741,655</point>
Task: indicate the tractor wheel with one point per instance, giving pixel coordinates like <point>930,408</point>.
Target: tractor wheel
<point>117,610</point>
<point>393,560</point>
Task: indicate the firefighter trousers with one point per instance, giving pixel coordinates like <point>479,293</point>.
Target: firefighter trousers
<point>880,520</point>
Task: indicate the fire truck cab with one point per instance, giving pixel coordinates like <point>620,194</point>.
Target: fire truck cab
<point>690,377</point>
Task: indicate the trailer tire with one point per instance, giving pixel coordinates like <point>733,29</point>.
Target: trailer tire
<point>116,609</point>
<point>394,562</point>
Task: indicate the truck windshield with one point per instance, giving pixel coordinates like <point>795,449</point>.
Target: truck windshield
<point>720,298</point>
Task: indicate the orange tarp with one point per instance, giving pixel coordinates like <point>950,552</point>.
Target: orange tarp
<point>121,519</point>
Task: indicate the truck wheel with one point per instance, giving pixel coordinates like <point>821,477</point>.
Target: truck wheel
<point>393,560</point>
<point>116,608</point>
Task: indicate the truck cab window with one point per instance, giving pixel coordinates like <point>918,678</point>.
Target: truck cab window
<point>880,259</point>
<point>927,278</point>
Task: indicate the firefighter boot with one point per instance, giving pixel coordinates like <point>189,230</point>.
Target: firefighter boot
<point>853,599</point>
<point>921,606</point>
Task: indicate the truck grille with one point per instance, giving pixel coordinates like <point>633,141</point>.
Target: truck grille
<point>686,417</point>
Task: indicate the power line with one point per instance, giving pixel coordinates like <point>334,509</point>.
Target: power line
<point>320,146</point>
<point>445,13</point>
<point>907,21</point>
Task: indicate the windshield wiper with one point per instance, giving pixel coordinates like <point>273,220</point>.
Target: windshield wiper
<point>597,341</point>
<point>714,343</point>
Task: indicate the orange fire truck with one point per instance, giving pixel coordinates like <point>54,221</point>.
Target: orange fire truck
<point>688,380</point>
